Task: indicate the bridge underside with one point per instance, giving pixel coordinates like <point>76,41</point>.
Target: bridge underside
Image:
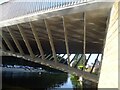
<point>74,24</point>
<point>80,29</point>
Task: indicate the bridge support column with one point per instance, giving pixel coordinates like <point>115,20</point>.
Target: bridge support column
<point>15,41</point>
<point>51,40</point>
<point>37,40</point>
<point>66,40</point>
<point>109,69</point>
<point>26,41</point>
<point>7,42</point>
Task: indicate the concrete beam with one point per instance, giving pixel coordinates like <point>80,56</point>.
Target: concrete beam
<point>78,61</point>
<point>15,41</point>
<point>2,45</point>
<point>66,59</point>
<point>66,40</point>
<point>26,41</point>
<point>73,59</point>
<point>61,58</point>
<point>50,40</point>
<point>94,63</point>
<point>84,40</point>
<point>7,42</point>
<point>87,59</point>
<point>37,40</point>
<point>47,56</point>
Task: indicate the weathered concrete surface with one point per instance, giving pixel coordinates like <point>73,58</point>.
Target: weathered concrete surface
<point>74,23</point>
<point>109,69</point>
<point>119,46</point>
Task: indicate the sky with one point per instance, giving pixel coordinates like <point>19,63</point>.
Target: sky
<point>91,60</point>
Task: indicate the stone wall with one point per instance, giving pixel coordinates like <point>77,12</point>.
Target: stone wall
<point>109,70</point>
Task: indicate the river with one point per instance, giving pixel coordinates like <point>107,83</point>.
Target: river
<point>40,81</point>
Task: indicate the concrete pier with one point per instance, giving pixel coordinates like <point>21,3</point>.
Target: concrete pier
<point>109,69</point>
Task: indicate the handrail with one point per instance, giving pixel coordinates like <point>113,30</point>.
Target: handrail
<point>15,8</point>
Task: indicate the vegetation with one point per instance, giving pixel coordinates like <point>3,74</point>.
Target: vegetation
<point>75,81</point>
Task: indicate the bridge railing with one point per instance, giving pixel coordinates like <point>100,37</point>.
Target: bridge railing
<point>52,4</point>
<point>15,8</point>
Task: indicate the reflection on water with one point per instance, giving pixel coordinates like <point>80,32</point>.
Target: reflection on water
<point>44,80</point>
<point>34,80</point>
<point>18,74</point>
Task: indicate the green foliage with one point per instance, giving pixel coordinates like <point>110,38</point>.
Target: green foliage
<point>75,81</point>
